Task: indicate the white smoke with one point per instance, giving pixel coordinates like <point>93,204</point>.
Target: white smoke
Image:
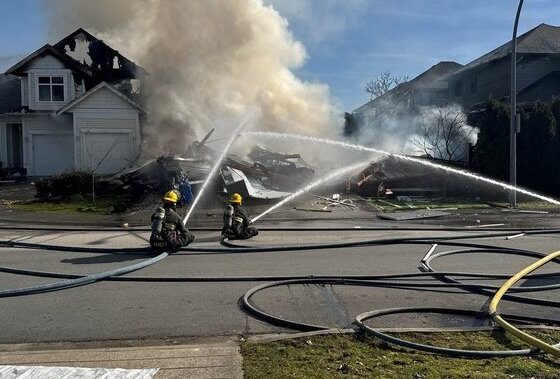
<point>210,63</point>
<point>440,132</point>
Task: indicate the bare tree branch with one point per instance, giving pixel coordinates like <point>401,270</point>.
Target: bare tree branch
<point>443,134</point>
<point>383,84</point>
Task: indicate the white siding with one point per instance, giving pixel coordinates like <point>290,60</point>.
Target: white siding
<point>41,125</point>
<point>47,66</point>
<point>46,62</point>
<point>34,102</point>
<point>25,91</point>
<point>96,135</point>
<point>103,99</point>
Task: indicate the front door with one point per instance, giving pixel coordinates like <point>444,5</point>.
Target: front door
<point>14,138</point>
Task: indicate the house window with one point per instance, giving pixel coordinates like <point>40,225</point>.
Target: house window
<point>51,88</point>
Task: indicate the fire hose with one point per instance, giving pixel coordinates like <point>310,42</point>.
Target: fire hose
<point>493,307</point>
<point>394,280</point>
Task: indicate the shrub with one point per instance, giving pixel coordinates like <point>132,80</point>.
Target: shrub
<point>64,185</point>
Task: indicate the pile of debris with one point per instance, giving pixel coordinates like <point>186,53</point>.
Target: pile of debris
<point>266,176</point>
<point>391,177</point>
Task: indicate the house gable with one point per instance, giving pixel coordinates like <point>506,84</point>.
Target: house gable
<point>45,62</point>
<point>101,98</point>
<point>47,79</point>
<point>23,66</point>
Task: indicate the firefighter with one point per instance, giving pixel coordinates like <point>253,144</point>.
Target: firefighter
<point>236,223</point>
<point>168,230</point>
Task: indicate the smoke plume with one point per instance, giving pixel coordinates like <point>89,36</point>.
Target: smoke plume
<point>210,63</point>
<point>440,132</point>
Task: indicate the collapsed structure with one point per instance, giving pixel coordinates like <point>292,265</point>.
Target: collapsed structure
<point>266,176</point>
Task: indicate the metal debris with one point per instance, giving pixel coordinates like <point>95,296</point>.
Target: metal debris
<point>412,215</point>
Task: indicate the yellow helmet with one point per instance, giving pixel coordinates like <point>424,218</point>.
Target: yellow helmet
<point>171,196</point>
<point>236,199</point>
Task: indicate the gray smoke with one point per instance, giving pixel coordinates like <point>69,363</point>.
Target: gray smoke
<point>211,62</point>
<point>441,132</point>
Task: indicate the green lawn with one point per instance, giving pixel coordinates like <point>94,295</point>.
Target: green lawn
<point>350,356</point>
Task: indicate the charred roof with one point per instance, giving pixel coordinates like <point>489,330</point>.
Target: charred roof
<point>106,63</point>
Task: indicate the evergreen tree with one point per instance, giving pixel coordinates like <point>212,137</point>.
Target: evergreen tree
<point>491,153</point>
<point>535,159</point>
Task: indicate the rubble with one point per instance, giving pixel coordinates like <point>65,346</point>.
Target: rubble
<point>268,176</point>
<point>389,177</point>
<point>284,171</point>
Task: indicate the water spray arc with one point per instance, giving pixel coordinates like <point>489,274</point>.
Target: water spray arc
<point>436,166</point>
<point>309,187</point>
<point>234,135</point>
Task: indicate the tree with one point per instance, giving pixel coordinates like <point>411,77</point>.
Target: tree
<point>536,163</point>
<point>491,152</point>
<point>555,109</point>
<point>444,133</point>
<point>383,84</point>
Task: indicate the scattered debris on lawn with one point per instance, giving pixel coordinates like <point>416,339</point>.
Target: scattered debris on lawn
<point>412,215</point>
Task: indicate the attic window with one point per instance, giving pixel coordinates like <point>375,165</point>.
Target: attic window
<point>51,88</point>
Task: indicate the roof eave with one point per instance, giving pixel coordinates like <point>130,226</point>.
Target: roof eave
<point>46,49</point>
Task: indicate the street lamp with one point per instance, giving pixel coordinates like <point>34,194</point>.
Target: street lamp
<point>515,120</point>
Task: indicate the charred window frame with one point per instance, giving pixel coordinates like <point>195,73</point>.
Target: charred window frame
<point>50,88</point>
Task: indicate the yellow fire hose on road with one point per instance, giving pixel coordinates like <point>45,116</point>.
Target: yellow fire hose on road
<point>492,309</point>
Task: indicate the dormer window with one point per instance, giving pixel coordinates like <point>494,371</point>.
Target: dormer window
<point>51,88</point>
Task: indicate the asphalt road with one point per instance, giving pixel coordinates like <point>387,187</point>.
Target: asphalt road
<point>137,310</point>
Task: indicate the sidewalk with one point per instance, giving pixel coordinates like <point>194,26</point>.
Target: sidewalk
<point>201,360</point>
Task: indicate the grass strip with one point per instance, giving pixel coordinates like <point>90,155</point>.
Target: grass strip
<point>355,356</point>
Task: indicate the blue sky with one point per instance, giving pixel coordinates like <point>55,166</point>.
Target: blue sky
<point>350,41</point>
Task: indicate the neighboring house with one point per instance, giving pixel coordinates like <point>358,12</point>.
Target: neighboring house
<point>430,88</point>
<point>489,77</point>
<point>75,104</point>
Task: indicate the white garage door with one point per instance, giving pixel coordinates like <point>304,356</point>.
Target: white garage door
<point>51,153</point>
<point>106,152</point>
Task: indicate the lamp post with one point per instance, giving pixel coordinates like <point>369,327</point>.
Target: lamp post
<point>514,116</point>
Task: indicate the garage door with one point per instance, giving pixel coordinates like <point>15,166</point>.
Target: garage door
<point>51,153</point>
<point>108,152</point>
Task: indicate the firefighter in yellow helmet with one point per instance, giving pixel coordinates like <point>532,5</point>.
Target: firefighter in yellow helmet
<point>168,230</point>
<point>237,224</point>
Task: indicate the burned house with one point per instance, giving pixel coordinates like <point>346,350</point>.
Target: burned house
<point>75,104</point>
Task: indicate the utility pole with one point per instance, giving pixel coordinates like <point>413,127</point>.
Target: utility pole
<point>514,116</point>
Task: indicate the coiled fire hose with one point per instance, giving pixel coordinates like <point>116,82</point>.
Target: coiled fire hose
<point>492,308</point>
